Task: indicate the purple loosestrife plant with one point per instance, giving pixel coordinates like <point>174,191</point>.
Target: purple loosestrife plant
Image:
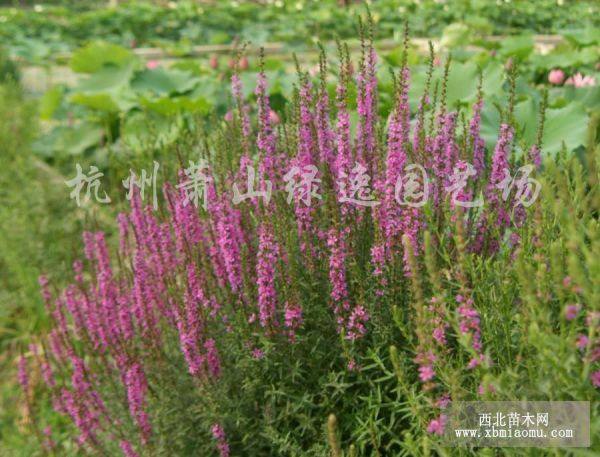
<point>325,133</point>
<point>127,449</point>
<point>343,157</point>
<point>477,143</point>
<point>261,318</point>
<point>219,435</point>
<point>266,140</point>
<point>366,86</point>
<point>268,252</point>
<point>137,388</point>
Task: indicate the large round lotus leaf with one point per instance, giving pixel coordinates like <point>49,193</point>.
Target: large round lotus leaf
<point>162,81</point>
<point>94,56</point>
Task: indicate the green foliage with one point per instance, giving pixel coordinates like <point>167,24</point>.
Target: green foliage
<point>38,34</point>
<point>121,89</point>
<point>95,55</point>
<point>39,231</point>
<point>8,70</point>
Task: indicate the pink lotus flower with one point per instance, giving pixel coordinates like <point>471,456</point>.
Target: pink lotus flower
<point>578,80</point>
<point>556,77</point>
<point>152,64</point>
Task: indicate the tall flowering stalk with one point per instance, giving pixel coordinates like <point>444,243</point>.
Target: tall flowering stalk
<point>351,320</point>
<point>445,154</point>
<point>396,160</point>
<point>325,134</point>
<point>469,321</point>
<point>477,143</point>
<point>219,435</point>
<point>22,374</point>
<point>189,324</point>
<point>82,403</point>
<point>265,140</point>
<point>498,214</point>
<point>236,89</point>
<point>226,226</point>
<point>343,157</point>
<point>366,82</point>
<point>127,449</point>
<point>337,276</point>
<point>425,354</point>
<point>265,276</point>
<point>397,220</point>
<point>137,388</point>
<point>499,170</point>
<point>305,158</point>
<point>212,358</point>
<point>535,153</point>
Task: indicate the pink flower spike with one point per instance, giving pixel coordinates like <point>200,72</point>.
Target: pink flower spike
<point>571,312</point>
<point>426,373</point>
<point>267,257</point>
<point>443,401</point>
<point>127,449</point>
<point>474,362</point>
<point>483,389</point>
<point>582,342</point>
<point>137,389</point>
<point>22,375</point>
<point>219,435</point>
<point>293,320</point>
<point>595,377</point>
<point>212,358</point>
<point>352,366</point>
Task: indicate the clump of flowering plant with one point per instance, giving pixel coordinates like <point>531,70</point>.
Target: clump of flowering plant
<point>235,326</point>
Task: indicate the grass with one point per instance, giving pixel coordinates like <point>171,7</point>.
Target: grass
<point>39,232</point>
